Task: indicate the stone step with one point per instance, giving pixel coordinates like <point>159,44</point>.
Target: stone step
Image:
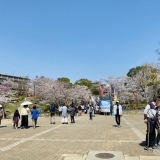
<point>142,157</point>
<point>115,155</point>
<point>72,157</point>
<point>131,157</point>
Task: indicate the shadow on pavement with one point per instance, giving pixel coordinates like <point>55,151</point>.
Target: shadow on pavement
<point>2,126</point>
<point>28,127</point>
<point>32,127</point>
<point>143,143</point>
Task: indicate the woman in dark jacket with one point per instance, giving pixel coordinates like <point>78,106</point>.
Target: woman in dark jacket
<point>16,118</point>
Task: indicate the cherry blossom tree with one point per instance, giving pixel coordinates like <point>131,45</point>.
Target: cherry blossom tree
<point>5,90</point>
<point>56,91</point>
<point>146,81</point>
<point>144,85</point>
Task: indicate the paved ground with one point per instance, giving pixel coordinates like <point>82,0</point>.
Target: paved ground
<point>51,142</point>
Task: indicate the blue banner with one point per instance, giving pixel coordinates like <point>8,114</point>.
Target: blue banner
<point>105,105</point>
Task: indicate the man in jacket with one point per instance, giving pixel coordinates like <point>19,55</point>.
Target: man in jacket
<point>118,113</point>
<point>150,113</point>
<point>72,113</point>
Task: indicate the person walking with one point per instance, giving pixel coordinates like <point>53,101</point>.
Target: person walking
<point>52,113</point>
<point>24,116</point>
<point>150,119</point>
<point>91,112</point>
<point>118,113</point>
<point>1,113</point>
<point>64,115</point>
<point>35,115</point>
<point>16,117</point>
<point>72,113</point>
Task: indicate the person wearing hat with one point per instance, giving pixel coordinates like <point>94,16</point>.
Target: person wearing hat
<point>118,113</point>
<point>1,113</point>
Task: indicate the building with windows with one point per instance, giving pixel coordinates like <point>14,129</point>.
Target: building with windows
<point>13,78</point>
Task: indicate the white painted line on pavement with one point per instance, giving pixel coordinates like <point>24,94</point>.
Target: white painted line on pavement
<point>70,140</point>
<point>29,138</point>
<point>139,134</point>
<point>136,131</point>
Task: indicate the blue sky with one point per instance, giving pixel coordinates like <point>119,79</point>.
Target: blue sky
<point>77,38</point>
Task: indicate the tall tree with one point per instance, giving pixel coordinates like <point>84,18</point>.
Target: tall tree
<point>64,79</point>
<point>147,80</point>
<point>84,82</point>
<point>133,71</point>
<point>89,84</point>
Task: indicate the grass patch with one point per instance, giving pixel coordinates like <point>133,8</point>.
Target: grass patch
<point>11,107</point>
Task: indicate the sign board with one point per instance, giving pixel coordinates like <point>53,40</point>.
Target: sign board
<point>105,104</point>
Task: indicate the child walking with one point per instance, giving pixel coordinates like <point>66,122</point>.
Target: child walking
<point>35,114</point>
<point>16,118</point>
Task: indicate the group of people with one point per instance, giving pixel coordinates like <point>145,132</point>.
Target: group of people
<point>23,116</point>
<point>151,117</point>
<point>72,110</point>
<point>64,111</point>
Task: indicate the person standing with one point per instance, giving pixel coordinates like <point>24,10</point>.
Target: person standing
<point>16,118</point>
<point>24,117</point>
<point>1,113</point>
<point>72,113</point>
<point>52,113</point>
<point>35,115</point>
<point>118,113</point>
<point>91,112</point>
<point>64,115</point>
<point>150,113</point>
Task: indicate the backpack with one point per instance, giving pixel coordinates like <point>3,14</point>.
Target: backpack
<point>52,108</point>
<point>152,113</point>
